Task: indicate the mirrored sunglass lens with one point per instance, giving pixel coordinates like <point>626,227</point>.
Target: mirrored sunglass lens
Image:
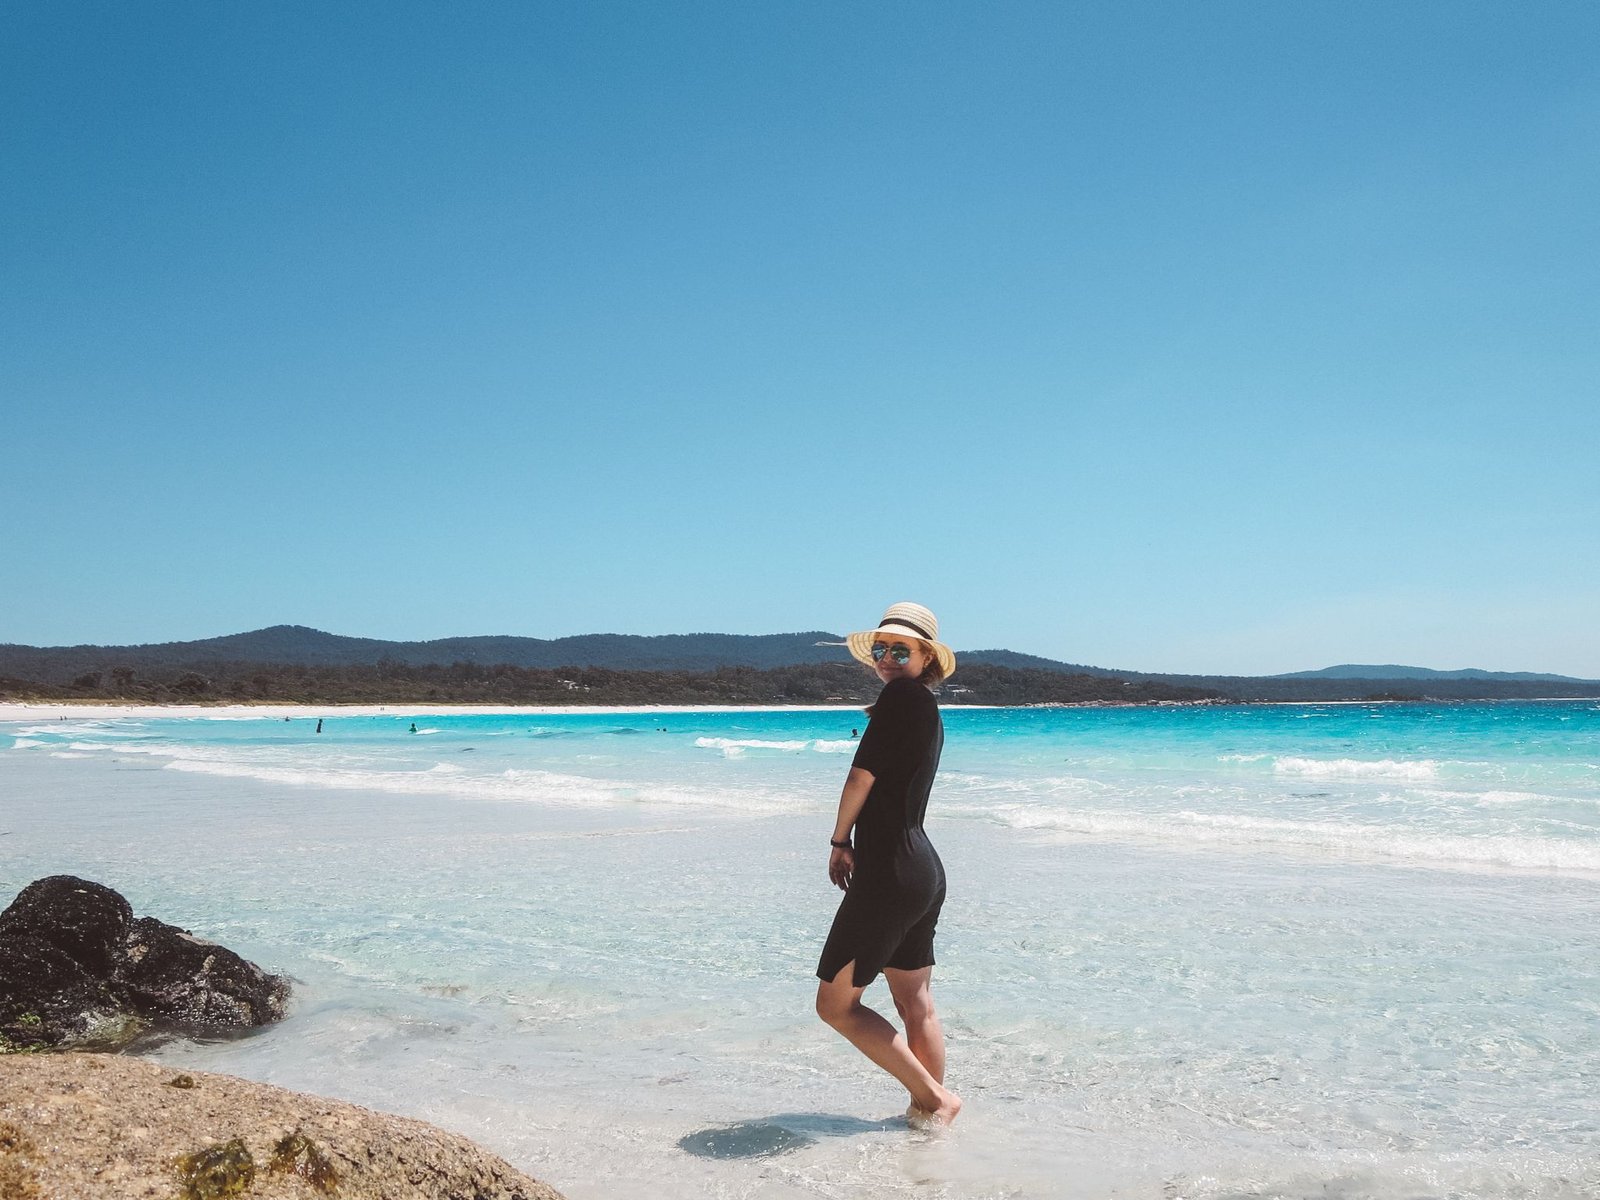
<point>878,651</point>
<point>900,653</point>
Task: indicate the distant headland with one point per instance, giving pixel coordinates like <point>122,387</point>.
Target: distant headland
<point>296,664</point>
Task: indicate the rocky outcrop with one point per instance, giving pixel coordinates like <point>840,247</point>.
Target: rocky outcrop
<point>47,998</point>
<point>115,1128</point>
<point>169,973</point>
<point>86,921</point>
<point>76,969</point>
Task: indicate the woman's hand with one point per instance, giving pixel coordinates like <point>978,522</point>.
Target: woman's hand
<point>841,865</point>
<point>842,862</point>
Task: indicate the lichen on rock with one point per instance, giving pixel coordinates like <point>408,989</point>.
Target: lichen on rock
<point>215,1172</point>
<point>296,1154</point>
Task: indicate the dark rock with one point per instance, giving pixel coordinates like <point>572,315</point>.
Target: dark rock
<point>76,969</point>
<point>87,920</point>
<point>170,973</point>
<point>47,998</point>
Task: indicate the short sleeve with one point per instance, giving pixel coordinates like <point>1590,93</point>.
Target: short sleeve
<point>887,741</point>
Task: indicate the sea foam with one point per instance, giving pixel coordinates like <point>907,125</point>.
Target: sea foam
<point>1187,829</point>
<point>1353,768</point>
<point>513,785</point>
<point>733,747</point>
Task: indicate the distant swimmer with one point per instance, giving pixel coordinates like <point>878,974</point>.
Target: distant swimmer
<point>413,727</point>
<point>319,724</point>
<point>855,733</point>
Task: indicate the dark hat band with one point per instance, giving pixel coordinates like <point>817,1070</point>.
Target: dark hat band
<point>920,631</point>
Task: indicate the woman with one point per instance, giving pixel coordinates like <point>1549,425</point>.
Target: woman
<point>893,881</point>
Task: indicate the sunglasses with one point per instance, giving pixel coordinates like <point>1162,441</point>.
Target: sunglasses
<point>899,652</point>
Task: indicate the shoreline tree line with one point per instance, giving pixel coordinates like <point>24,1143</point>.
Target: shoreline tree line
<point>297,664</point>
<point>389,682</point>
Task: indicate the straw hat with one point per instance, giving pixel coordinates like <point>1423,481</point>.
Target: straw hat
<point>904,620</point>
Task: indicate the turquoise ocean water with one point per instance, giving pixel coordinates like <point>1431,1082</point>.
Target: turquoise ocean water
<point>1346,950</point>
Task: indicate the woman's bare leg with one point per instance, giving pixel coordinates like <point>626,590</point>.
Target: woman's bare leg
<point>839,1004</point>
<point>913,1000</point>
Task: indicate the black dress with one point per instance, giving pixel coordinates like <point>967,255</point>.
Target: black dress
<point>887,917</point>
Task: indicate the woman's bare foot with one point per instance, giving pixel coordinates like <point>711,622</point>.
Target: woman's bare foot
<point>921,1118</point>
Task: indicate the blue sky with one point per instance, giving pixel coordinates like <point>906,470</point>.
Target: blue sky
<point>1225,337</point>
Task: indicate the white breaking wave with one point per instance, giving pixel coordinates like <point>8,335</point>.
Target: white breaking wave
<point>844,746</point>
<point>159,749</point>
<point>1355,768</point>
<point>358,773</point>
<point>1369,842</point>
<point>960,784</point>
<point>86,728</point>
<point>524,786</point>
<point>734,747</point>
<point>27,744</point>
<point>1492,798</point>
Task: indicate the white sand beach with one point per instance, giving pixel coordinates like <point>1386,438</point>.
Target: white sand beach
<point>22,711</point>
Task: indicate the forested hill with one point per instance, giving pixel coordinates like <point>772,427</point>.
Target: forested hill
<point>1355,671</point>
<point>297,645</point>
<point>292,662</point>
<point>472,683</point>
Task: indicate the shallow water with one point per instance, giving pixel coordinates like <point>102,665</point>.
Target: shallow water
<point>1201,952</point>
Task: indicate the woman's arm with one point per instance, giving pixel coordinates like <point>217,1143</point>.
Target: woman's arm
<point>842,862</point>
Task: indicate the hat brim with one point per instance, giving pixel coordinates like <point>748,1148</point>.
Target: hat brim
<point>860,645</point>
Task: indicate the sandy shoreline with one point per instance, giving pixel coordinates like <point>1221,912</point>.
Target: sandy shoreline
<point>52,710</point>
<point>20,711</point>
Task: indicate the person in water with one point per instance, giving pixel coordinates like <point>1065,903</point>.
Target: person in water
<point>892,879</point>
